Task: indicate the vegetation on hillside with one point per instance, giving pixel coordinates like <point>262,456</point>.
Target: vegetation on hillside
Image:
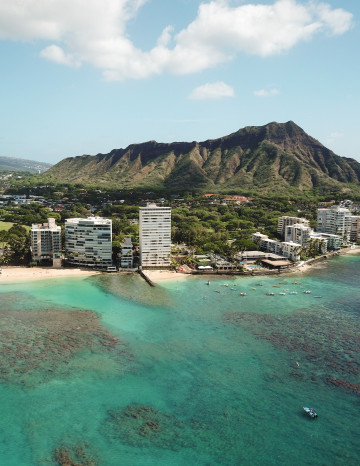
<point>260,160</point>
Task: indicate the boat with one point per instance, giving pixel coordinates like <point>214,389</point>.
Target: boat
<point>270,293</point>
<point>307,291</point>
<point>282,294</point>
<point>317,296</point>
<point>310,412</point>
<point>208,283</point>
<point>242,294</point>
<point>293,292</point>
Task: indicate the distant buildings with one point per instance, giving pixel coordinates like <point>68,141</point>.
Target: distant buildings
<point>46,242</point>
<point>88,241</point>
<point>300,238</point>
<point>155,236</point>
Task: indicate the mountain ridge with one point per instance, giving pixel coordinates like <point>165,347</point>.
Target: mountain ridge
<point>274,155</point>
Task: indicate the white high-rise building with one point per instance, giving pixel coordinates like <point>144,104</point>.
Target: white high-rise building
<point>286,221</point>
<point>155,236</point>
<point>336,221</point>
<point>46,242</point>
<point>88,241</point>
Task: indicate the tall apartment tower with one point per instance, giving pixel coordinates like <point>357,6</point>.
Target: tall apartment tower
<point>46,242</point>
<point>286,221</point>
<point>88,241</point>
<point>336,221</point>
<point>155,236</point>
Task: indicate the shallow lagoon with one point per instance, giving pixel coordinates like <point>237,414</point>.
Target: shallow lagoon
<point>185,373</point>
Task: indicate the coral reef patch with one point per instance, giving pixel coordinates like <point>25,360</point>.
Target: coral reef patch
<point>37,344</point>
<point>326,342</point>
<point>144,426</point>
<point>74,456</point>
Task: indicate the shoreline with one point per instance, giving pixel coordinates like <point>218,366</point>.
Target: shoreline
<point>19,273</point>
<point>16,274</point>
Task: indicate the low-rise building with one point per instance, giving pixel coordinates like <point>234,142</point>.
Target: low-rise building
<point>333,242</point>
<point>291,250</point>
<point>127,260</point>
<point>287,249</point>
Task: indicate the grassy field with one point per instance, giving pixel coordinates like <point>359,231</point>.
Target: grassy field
<point>5,225</point>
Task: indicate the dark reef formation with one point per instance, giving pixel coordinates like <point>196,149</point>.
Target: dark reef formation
<point>74,456</point>
<point>36,345</point>
<point>144,426</point>
<point>327,344</point>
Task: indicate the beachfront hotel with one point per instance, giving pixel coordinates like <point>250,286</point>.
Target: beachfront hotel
<point>46,242</point>
<point>155,236</point>
<point>88,241</point>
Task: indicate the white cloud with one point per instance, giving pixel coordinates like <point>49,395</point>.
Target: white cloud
<point>94,32</point>
<point>212,91</point>
<point>266,92</point>
<point>57,54</point>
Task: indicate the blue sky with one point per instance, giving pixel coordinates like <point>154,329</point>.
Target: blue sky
<point>88,76</point>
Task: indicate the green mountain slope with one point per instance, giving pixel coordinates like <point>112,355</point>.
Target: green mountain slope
<point>274,156</point>
<point>15,164</point>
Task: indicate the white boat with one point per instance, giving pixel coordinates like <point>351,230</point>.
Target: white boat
<point>310,412</point>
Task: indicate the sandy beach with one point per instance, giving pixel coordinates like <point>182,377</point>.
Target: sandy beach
<point>12,274</point>
<point>161,275</point>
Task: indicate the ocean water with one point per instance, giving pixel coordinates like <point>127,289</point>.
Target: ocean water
<point>109,371</point>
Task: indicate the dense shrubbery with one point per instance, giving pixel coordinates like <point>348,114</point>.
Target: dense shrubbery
<point>205,225</point>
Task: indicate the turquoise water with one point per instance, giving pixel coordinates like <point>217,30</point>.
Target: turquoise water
<point>109,371</point>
